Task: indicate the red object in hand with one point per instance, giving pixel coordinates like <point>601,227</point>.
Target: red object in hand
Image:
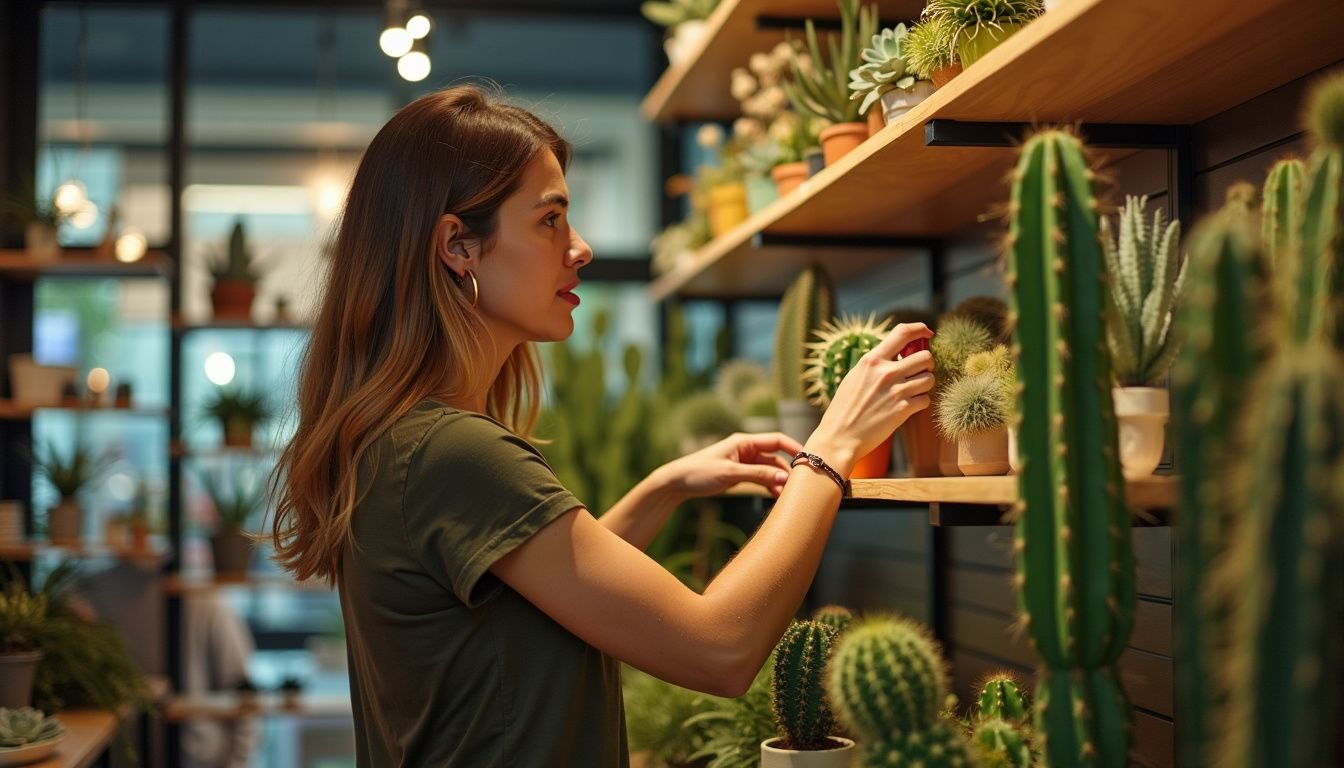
<point>918,345</point>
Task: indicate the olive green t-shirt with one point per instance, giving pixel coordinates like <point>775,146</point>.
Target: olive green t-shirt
<point>448,665</point>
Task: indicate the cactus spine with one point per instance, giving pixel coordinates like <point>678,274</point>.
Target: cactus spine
<point>1000,699</point>
<point>838,348</point>
<point>1003,743</point>
<point>808,304</point>
<point>801,710</point>
<point>837,617</point>
<point>1075,554</point>
<point>1144,283</point>
<point>1220,324</point>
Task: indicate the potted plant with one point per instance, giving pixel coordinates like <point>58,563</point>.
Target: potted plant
<point>766,125</point>
<point>982,24</point>
<point>238,412</point>
<point>65,521</point>
<point>796,134</point>
<point>235,498</point>
<point>931,50</point>
<point>886,76</point>
<point>839,346</point>
<point>291,692</point>
<point>806,726</point>
<point>235,278</point>
<point>41,219</point>
<point>721,185</point>
<point>28,734</point>
<point>1144,282</point>
<point>808,303</point>
<point>975,409</point>
<point>820,87</point>
<point>958,338</point>
<point>685,22</point>
<point>23,620</point>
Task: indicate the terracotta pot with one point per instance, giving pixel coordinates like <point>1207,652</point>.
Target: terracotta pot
<point>972,44</point>
<point>984,453</point>
<point>788,176</point>
<point>876,121</point>
<point>947,457</point>
<point>876,464</point>
<point>139,536</point>
<point>238,433</point>
<point>39,240</point>
<point>919,441</point>
<point>65,522</point>
<point>232,299</point>
<point>944,76</point>
<point>843,757</point>
<point>231,553</point>
<point>727,207</point>
<point>17,673</point>
<point>1141,417</point>
<point>896,103</point>
<point>841,139</point>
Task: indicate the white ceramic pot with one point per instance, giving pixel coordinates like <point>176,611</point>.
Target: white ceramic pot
<point>845,756</point>
<point>759,424</point>
<point>798,418</point>
<point>983,453</point>
<point>1141,415</point>
<point>65,522</point>
<point>39,240</point>
<point>37,384</point>
<point>682,40</point>
<point>899,101</point>
<point>1051,4</point>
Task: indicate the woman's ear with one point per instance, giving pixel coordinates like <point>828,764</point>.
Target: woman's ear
<point>450,244</point>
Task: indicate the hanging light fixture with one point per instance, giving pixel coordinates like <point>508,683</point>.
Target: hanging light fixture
<point>415,65</point>
<point>395,40</point>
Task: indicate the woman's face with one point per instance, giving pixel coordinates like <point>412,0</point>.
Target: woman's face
<point>528,273</point>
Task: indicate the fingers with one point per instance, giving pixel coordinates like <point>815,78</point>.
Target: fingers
<point>769,477</point>
<point>914,364</point>
<point>919,384</point>
<point>769,442</point>
<point>900,336</point>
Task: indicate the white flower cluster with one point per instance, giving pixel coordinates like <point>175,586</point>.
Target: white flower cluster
<point>760,91</point>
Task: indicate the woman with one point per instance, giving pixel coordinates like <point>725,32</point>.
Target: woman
<point>485,608</point>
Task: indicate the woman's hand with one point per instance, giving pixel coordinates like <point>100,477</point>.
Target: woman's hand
<point>739,458</point>
<point>875,398</point>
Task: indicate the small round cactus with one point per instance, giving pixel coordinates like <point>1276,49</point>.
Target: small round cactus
<point>886,678</point>
<point>838,617</point>
<point>958,338</point>
<point>801,710</point>
<point>1000,698</point>
<point>840,345</point>
<point>1000,743</point>
<point>937,747</point>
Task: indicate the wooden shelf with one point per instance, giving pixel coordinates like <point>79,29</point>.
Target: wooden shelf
<point>89,732</point>
<point>697,89</point>
<point>228,705</point>
<point>189,584</point>
<point>154,555</point>
<point>182,327</point>
<point>13,411</point>
<point>1089,61</point>
<point>183,451</point>
<point>19,265</point>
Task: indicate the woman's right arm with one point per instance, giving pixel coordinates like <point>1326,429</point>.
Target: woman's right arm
<point>617,599</point>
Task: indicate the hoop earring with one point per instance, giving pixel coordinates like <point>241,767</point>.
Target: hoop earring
<point>475,288</point>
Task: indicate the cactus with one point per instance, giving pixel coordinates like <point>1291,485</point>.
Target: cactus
<point>801,710</point>
<point>1002,744</point>
<point>1220,327</point>
<point>236,263</point>
<point>839,346</point>
<point>886,677</point>
<point>972,404</point>
<point>988,311</point>
<point>1321,271</point>
<point>735,378</point>
<point>938,746</point>
<point>837,617</point>
<point>808,304</point>
<point>1144,283</point>
<point>1000,699</point>
<point>1075,554</point>
<point>958,338</point>
<point>1281,214</point>
<point>26,725</point>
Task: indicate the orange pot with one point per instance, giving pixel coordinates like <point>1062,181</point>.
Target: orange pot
<point>919,441</point>
<point>232,299</point>
<point>941,77</point>
<point>788,176</point>
<point>841,139</point>
<point>875,120</point>
<point>875,464</point>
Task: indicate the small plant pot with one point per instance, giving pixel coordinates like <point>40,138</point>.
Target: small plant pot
<point>920,443</point>
<point>942,77</point>
<point>788,176</point>
<point>759,424</point>
<point>17,673</point>
<point>11,522</point>
<point>843,756</point>
<point>972,44</point>
<point>1141,417</point>
<point>727,207</point>
<point>896,103</point>
<point>65,522</point>
<point>841,139</point>
<point>238,433</point>
<point>983,453</point>
<point>947,457</point>
<point>815,159</point>
<point>877,463</point>
<point>876,121</point>
<point>35,384</point>
<point>40,241</point>
<point>232,554</point>
<point>761,191</point>
<point>798,418</point>
<point>232,299</point>
<point>682,40</point>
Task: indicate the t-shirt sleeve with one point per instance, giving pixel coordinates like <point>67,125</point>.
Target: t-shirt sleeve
<point>474,491</point>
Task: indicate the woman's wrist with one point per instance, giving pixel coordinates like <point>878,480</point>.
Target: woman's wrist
<point>839,453</point>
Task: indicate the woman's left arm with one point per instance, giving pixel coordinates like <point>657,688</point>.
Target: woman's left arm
<point>740,458</point>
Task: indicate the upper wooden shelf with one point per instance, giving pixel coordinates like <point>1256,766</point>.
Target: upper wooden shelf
<point>1087,61</point>
<point>19,265</point>
<point>697,89</point>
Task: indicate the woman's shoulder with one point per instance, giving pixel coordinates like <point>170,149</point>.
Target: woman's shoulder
<point>438,432</point>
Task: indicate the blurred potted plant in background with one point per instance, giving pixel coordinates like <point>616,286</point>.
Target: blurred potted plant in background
<point>820,83</point>
<point>762,128</point>
<point>931,50</point>
<point>760,412</point>
<point>238,413</point>
<point>721,185</point>
<point>235,278</point>
<point>236,497</point>
<point>23,619</point>
<point>685,23</point>
<point>886,77</point>
<point>65,521</point>
<point>41,218</point>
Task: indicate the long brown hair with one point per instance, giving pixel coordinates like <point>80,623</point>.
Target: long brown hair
<point>394,327</point>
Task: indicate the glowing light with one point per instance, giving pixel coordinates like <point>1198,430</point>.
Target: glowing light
<point>71,196</point>
<point>414,66</point>
<point>98,380</point>
<point>131,245</point>
<point>418,26</point>
<point>395,41</point>
<point>85,215</point>
<point>219,368</point>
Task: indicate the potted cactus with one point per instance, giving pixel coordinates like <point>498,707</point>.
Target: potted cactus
<point>238,412</point>
<point>839,346</point>
<point>982,24</point>
<point>820,85</point>
<point>974,411</point>
<point>931,50</point>
<point>236,498</point>
<point>41,218</point>
<point>808,303</point>
<point>1143,284</point>
<point>235,279</point>
<point>958,337</point>
<point>65,521</point>
<point>806,725</point>
<point>886,76</point>
<point>887,683</point>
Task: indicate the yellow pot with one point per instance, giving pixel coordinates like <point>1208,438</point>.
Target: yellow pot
<point>727,207</point>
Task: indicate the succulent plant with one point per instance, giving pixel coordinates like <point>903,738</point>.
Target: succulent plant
<point>884,68</point>
<point>23,618</point>
<point>807,305</point>
<point>236,263</point>
<point>973,18</point>
<point>670,13</point>
<point>1003,744</point>
<point>237,405</point>
<point>932,46</point>
<point>1073,526</point>
<point>839,346</point>
<point>1001,699</point>
<point>838,617</point>
<point>973,403</point>
<point>68,476</point>
<point>822,90</point>
<point>886,677</point>
<point>26,725</point>
<point>957,338</point>
<point>801,709</point>
<point>938,746</point>
<point>236,497</point>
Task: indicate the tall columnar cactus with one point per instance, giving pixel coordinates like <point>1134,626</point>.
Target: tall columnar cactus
<point>1321,268</point>
<point>1003,744</point>
<point>838,617</point>
<point>1281,212</point>
<point>1000,699</point>
<point>808,303</point>
<point>1144,281</point>
<point>1221,327</point>
<point>1075,554</point>
<point>236,263</point>
<point>837,350</point>
<point>801,710</point>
